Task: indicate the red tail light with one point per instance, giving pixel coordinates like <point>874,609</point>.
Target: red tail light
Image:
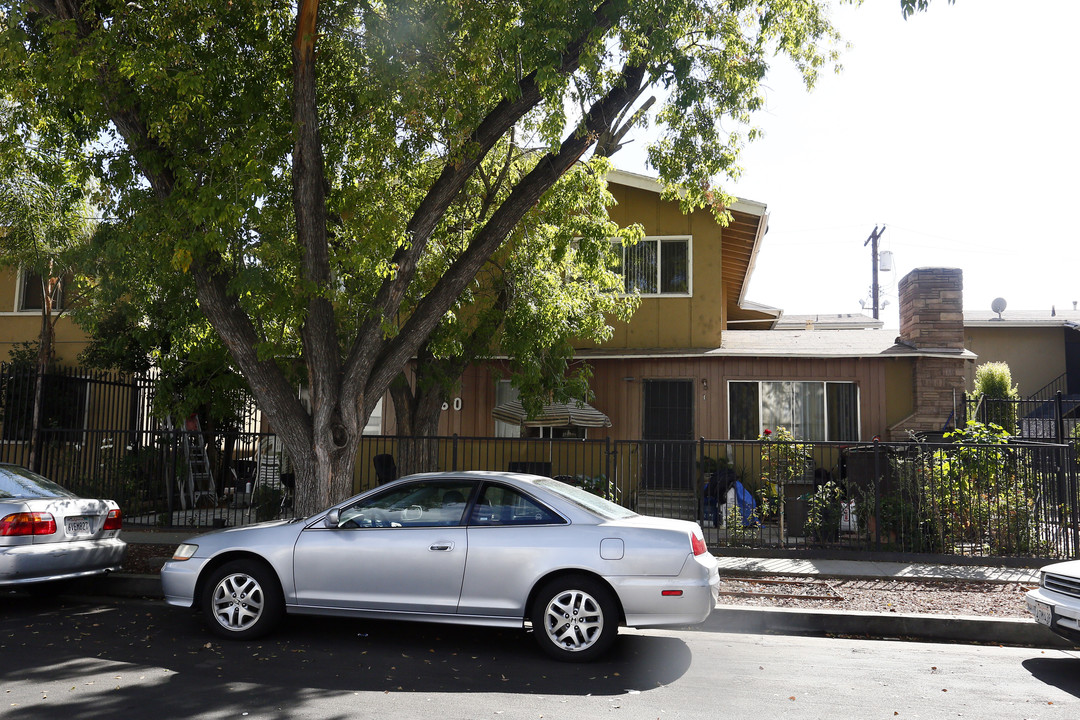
<point>31,523</point>
<point>114,521</point>
<point>697,544</point>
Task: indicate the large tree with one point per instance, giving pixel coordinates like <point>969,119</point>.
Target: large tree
<point>295,162</point>
<point>552,283</point>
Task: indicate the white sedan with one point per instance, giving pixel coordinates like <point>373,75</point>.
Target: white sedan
<point>480,548</point>
<point>1056,602</point>
<point>48,533</point>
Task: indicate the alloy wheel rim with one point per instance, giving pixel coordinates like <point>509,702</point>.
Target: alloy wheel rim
<point>238,602</point>
<point>573,620</point>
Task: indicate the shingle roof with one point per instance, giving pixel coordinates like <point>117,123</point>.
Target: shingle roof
<point>794,343</point>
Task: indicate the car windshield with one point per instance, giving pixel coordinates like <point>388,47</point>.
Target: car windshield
<point>585,499</point>
<point>17,482</point>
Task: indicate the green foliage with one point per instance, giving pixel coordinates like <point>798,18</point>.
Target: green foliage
<point>994,386</point>
<point>823,512</point>
<point>600,486</point>
<point>910,7</point>
<point>994,380</point>
<point>979,494</point>
<point>782,459</point>
<point>740,530</point>
<point>333,213</point>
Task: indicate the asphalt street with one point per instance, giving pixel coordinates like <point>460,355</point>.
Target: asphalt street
<point>77,658</point>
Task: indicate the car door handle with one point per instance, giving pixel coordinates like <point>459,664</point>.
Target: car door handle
<point>442,546</point>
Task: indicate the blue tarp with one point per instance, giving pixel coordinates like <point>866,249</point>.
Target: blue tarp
<point>746,503</point>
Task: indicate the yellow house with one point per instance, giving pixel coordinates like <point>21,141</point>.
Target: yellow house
<point>20,318</point>
<point>699,360</point>
<point>1042,349</point>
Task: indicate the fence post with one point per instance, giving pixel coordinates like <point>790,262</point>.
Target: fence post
<point>699,483</point>
<point>1074,499</point>
<point>607,462</point>
<point>453,454</point>
<point>1059,418</point>
<point>877,494</point>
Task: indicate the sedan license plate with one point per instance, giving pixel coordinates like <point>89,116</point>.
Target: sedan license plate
<point>77,525</point>
<point>1043,613</point>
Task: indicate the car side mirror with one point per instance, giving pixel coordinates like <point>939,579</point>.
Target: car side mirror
<point>332,519</point>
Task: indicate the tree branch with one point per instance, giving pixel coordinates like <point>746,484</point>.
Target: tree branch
<point>432,208</point>
<point>524,196</point>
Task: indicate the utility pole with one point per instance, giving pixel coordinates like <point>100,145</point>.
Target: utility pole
<point>875,290</point>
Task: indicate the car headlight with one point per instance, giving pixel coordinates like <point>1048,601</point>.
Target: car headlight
<point>184,551</point>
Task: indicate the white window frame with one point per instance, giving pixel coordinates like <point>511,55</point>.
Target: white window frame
<point>20,292</point>
<point>658,239</point>
<point>825,408</point>
<point>505,392</point>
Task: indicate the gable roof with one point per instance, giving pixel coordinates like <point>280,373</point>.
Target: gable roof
<point>741,240</point>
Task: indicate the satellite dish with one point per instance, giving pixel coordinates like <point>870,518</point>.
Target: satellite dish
<point>998,306</point>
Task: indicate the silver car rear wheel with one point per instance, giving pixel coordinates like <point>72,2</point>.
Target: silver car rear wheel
<point>242,600</point>
<point>575,619</point>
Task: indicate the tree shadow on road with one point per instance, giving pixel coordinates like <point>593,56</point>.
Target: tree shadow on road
<point>162,662</point>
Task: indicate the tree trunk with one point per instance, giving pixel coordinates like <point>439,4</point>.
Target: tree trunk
<point>417,413</point>
<point>44,361</point>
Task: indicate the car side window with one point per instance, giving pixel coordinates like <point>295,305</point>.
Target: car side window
<point>419,504</point>
<point>503,505</point>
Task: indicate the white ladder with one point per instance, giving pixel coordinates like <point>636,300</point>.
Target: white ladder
<point>199,482</point>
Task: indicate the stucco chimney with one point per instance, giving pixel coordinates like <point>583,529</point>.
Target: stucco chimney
<point>932,308</point>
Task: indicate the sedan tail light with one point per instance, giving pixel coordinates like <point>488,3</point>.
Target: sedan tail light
<point>28,523</point>
<point>114,521</point>
<point>697,544</point>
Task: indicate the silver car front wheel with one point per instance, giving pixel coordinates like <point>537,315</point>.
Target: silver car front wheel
<point>575,619</point>
<point>242,600</point>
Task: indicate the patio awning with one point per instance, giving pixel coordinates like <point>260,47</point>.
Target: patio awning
<point>573,414</point>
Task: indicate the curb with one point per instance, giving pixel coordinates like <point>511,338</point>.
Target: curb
<point>932,628</point>
<point>1021,632</point>
<point>118,585</point>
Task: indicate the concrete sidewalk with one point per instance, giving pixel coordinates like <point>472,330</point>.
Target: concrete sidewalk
<point>770,621</point>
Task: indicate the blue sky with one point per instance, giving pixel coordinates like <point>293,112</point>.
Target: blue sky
<point>957,129</point>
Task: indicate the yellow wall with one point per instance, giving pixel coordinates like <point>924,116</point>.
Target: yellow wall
<point>1035,355</point>
<point>679,321</point>
<point>899,390</point>
<point>17,327</point>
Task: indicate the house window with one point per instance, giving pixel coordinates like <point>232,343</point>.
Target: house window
<point>812,410</point>
<point>374,423</point>
<point>656,266</point>
<point>31,295</point>
<point>504,393</point>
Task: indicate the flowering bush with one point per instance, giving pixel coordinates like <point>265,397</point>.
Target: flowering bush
<point>782,459</point>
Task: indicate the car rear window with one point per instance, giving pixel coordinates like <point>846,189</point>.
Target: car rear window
<point>17,482</point>
<point>585,499</point>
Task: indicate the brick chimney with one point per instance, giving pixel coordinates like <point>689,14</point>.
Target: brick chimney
<point>932,308</point>
<point>932,324</point>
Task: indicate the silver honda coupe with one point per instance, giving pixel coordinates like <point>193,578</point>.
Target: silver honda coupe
<point>480,548</point>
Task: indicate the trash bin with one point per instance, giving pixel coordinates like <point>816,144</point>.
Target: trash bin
<point>796,512</point>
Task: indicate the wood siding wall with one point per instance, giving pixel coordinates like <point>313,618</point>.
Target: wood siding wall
<point>617,384</point>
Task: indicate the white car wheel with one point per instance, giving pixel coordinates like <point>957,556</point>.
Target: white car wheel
<point>242,600</point>
<point>575,619</point>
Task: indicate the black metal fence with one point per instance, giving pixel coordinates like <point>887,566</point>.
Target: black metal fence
<point>1054,417</point>
<point>1017,498</point>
